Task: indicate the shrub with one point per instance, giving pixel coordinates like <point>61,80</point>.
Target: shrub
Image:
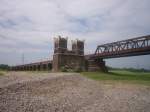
<point>69,69</point>
<point>78,69</point>
<point>63,69</point>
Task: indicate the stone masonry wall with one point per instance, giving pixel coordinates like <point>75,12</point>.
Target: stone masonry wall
<point>68,61</point>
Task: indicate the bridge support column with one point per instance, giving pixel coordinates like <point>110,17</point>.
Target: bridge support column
<point>43,67</point>
<point>71,61</point>
<point>97,65</point>
<point>30,67</point>
<point>39,67</point>
<point>49,66</point>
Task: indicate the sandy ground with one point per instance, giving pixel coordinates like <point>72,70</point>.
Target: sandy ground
<point>69,92</point>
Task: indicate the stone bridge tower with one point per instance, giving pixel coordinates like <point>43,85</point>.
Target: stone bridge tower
<point>62,57</point>
<point>78,47</point>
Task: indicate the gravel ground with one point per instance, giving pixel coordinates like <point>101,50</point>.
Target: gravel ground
<point>69,92</point>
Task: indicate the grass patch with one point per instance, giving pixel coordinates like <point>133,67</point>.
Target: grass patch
<point>121,76</point>
<point>2,72</point>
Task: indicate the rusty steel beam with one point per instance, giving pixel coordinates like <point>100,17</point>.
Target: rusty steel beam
<point>130,47</point>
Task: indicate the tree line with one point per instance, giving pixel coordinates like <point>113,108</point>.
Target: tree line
<point>4,67</point>
<point>130,69</point>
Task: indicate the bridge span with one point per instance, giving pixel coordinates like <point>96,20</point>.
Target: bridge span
<point>125,48</point>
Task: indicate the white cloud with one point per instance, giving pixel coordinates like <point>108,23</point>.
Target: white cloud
<point>36,22</point>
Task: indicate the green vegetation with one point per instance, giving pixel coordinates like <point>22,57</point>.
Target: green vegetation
<point>130,69</point>
<point>121,76</point>
<point>2,72</point>
<point>63,69</point>
<point>4,67</point>
<point>69,69</point>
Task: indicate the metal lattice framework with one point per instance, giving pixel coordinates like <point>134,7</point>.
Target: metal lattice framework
<point>130,47</point>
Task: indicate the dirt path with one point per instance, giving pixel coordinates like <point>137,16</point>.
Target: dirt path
<point>61,92</point>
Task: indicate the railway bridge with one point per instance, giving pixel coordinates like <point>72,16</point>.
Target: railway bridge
<point>75,59</point>
<point>125,48</point>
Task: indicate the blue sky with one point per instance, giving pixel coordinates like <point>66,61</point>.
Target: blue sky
<point>29,26</point>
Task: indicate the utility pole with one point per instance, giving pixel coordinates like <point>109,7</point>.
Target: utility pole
<point>23,58</point>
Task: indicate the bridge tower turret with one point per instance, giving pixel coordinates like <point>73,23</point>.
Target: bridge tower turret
<point>60,45</point>
<point>78,47</point>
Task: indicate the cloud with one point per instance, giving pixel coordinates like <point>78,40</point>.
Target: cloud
<point>30,25</point>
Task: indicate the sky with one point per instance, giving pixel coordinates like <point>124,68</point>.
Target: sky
<point>27,27</point>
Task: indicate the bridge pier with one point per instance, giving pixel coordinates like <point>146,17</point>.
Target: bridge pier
<point>49,66</point>
<point>24,68</point>
<point>43,67</point>
<point>30,67</point>
<point>38,67</point>
<point>97,65</point>
<point>34,67</point>
<point>27,68</point>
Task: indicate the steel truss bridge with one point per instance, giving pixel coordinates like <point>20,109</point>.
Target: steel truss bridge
<point>131,47</point>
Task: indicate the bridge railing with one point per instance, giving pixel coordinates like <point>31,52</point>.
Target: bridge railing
<point>125,46</point>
